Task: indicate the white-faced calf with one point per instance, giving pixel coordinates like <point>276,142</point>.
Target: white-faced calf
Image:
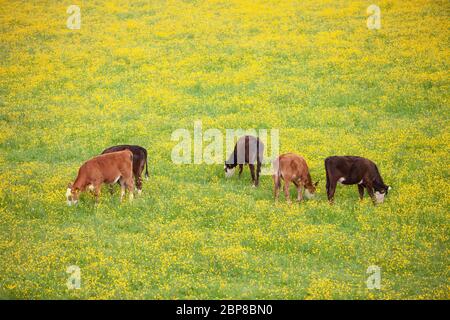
<point>248,150</point>
<point>107,168</point>
<point>349,170</point>
<point>292,168</point>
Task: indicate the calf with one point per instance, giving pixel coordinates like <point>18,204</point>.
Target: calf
<point>355,170</point>
<point>107,168</point>
<point>248,150</point>
<point>292,168</point>
<point>139,160</point>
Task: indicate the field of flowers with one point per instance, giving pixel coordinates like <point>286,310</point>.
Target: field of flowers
<point>136,71</point>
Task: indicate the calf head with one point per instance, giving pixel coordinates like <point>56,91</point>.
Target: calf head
<point>72,194</point>
<point>310,190</point>
<point>381,190</point>
<point>229,170</point>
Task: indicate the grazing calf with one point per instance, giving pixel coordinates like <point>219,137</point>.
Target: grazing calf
<point>292,168</point>
<point>248,150</point>
<point>139,160</point>
<point>107,168</point>
<point>355,170</point>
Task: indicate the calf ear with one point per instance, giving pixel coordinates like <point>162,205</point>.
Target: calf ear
<point>316,184</point>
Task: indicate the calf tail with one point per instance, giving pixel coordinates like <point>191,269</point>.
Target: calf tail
<point>146,166</point>
<point>327,175</point>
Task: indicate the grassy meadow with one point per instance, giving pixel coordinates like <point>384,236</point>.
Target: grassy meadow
<point>138,70</point>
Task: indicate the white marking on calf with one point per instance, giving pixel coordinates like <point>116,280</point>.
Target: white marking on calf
<point>379,197</point>
<point>308,194</point>
<point>91,187</point>
<point>229,172</point>
<point>360,181</point>
<point>340,180</point>
<point>68,196</point>
<point>117,179</point>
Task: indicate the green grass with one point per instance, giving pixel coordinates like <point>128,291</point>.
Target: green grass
<point>136,72</point>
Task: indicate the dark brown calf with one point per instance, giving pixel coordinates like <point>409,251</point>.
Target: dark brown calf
<point>248,150</point>
<point>292,168</point>
<point>107,168</point>
<point>355,170</point>
<point>139,161</point>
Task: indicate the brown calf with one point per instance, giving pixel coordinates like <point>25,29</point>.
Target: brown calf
<point>292,168</point>
<point>107,168</point>
<point>139,161</point>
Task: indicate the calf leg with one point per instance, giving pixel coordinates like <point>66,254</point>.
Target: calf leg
<point>97,189</point>
<point>258,171</point>
<point>286,191</point>
<point>241,167</point>
<point>328,185</point>
<point>252,171</point>
<point>331,189</point>
<point>361,191</point>
<point>137,172</point>
<point>130,186</point>
<point>371,193</point>
<point>139,183</point>
<point>299,186</point>
<point>122,190</point>
<point>276,186</point>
